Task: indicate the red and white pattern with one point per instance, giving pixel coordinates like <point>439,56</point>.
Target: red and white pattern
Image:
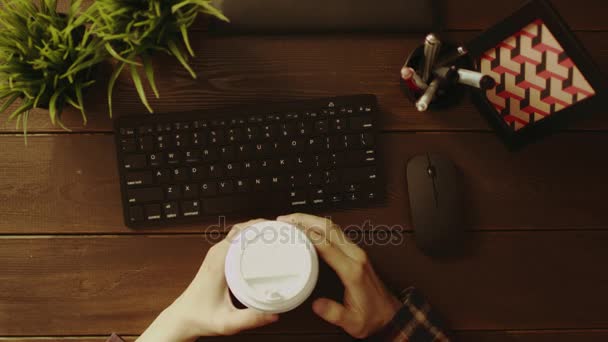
<point>535,76</point>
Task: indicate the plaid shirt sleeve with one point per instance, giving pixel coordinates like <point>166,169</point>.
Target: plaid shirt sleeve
<point>414,322</point>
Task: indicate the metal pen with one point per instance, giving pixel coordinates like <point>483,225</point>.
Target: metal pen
<point>425,100</point>
<point>432,45</point>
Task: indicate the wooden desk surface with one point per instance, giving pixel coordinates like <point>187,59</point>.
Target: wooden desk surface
<point>534,270</point>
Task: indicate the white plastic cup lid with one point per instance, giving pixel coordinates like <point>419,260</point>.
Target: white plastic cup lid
<point>271,266</point>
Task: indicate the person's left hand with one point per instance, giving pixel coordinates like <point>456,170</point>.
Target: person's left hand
<point>205,308</point>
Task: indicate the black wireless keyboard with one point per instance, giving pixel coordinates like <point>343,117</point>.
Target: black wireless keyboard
<point>280,158</point>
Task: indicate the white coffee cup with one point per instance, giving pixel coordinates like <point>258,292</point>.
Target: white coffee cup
<point>271,266</point>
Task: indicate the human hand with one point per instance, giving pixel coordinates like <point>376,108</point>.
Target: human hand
<point>367,306</point>
<point>205,308</point>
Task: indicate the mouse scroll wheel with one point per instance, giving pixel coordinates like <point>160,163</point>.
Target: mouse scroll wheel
<point>431,171</point>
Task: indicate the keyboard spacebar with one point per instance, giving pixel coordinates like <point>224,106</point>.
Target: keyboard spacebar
<point>236,203</point>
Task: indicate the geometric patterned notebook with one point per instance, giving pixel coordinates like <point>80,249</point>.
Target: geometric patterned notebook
<point>535,77</point>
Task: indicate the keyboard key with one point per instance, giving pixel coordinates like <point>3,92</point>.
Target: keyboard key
<point>352,196</point>
<point>321,127</point>
<point>192,156</point>
<point>139,178</point>
<point>266,167</point>
<point>153,212</point>
<point>182,141</point>
<point>191,208</point>
<point>252,134</point>
<point>227,204</point>
<point>146,143</point>
<point>316,144</point>
<point>180,174</point>
<point>298,180</point>
<point>261,184</point>
<point>270,131</point>
<point>217,137</point>
<point>162,176</point>
<point>360,123</point>
<point>356,175</point>
<point>170,210</point>
<point>320,161</point>
<point>225,187</point>
<point>336,159</point>
<point>157,159</point>
<point>233,170</point>
<point>174,157</point>
<point>215,171</point>
<point>338,125</point>
<point>208,155</point>
<point>234,135</point>
<point>136,213</point>
<point>145,130</point>
<point>296,145</point>
<point>352,187</point>
<point>163,142</point>
<point>360,157</point>
<point>173,192</point>
<point>189,191</point>
<point>127,131</point>
<point>242,185</point>
<point>144,195</point>
<point>367,140</point>
<point>317,196</point>
<point>197,138</point>
<point>278,183</point>
<point>304,128</point>
<point>227,153</point>
<point>298,198</point>
<point>128,145</point>
<point>135,161</point>
<point>197,173</point>
<point>244,152</point>
<point>208,189</point>
<point>335,198</point>
<point>314,178</point>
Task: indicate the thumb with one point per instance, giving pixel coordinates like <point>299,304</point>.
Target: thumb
<point>333,312</point>
<point>246,319</point>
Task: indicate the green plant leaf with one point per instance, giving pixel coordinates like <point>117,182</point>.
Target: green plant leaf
<point>140,88</point>
<point>184,31</point>
<point>149,69</point>
<point>118,57</point>
<point>175,51</point>
<point>53,106</point>
<point>111,83</point>
<point>9,102</point>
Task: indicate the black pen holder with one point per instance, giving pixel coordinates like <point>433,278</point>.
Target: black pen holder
<point>448,94</point>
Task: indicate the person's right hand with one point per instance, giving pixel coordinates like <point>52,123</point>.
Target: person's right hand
<point>368,306</point>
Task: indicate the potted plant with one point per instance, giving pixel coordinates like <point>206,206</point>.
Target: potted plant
<point>46,58</point>
<point>134,30</point>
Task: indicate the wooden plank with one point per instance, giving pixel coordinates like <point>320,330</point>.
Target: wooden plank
<point>479,14</point>
<point>250,69</point>
<point>69,184</point>
<point>470,336</point>
<point>507,281</point>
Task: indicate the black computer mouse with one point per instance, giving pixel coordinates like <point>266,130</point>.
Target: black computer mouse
<point>436,204</point>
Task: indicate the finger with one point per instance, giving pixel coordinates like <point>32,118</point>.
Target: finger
<point>326,227</point>
<point>332,255</point>
<point>246,319</point>
<point>334,313</point>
